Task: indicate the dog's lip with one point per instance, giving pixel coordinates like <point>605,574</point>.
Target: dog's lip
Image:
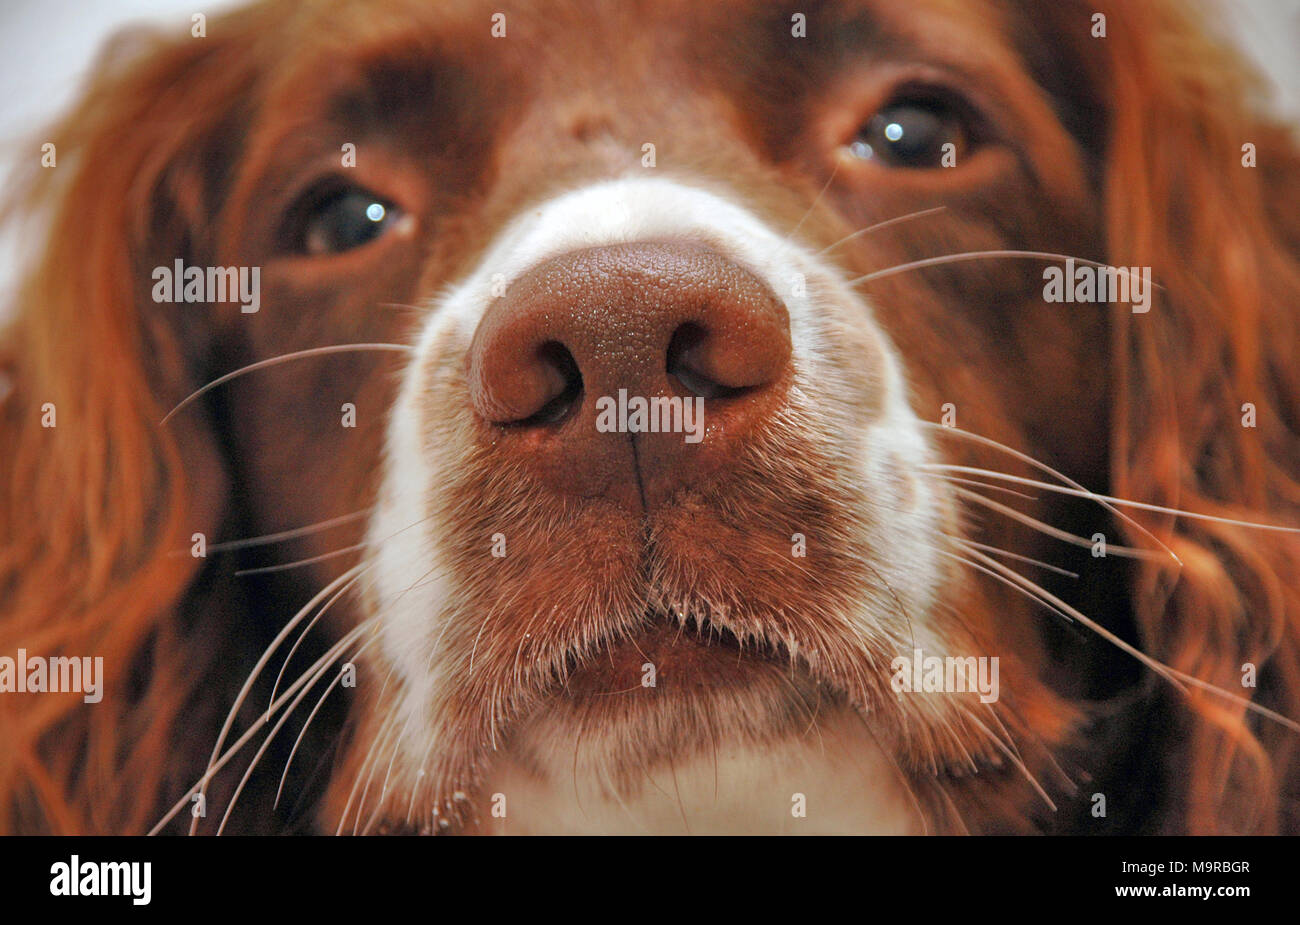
<point>672,654</point>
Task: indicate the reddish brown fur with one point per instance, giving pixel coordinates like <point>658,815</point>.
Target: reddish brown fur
<point>181,149</point>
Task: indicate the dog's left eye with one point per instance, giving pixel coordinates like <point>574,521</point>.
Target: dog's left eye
<point>913,133</point>
<point>333,220</point>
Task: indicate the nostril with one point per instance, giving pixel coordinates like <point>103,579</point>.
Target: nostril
<point>641,318</point>
<point>686,361</point>
<point>562,371</point>
<point>516,378</point>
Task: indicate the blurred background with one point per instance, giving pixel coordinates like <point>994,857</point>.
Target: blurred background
<point>47,46</point>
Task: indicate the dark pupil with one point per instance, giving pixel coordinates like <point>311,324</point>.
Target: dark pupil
<point>909,135</point>
<point>345,221</point>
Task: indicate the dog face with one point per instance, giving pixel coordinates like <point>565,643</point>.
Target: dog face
<point>679,410</point>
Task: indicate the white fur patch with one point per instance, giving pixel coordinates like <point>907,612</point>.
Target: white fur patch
<point>410,582</point>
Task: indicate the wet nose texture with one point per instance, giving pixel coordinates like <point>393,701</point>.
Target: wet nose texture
<point>580,339</point>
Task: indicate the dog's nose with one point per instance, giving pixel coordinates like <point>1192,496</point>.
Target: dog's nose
<point>628,370</point>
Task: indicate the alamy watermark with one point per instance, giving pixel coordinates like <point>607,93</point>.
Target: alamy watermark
<point>952,674</point>
<point>179,283</point>
<point>662,414</point>
<point>1088,283</point>
<point>76,877</point>
<point>35,674</point>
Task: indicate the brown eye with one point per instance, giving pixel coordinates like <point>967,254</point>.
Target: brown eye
<point>913,134</point>
<point>334,219</point>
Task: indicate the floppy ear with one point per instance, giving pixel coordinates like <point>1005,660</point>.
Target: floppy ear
<point>99,501</point>
<point>1206,414</point>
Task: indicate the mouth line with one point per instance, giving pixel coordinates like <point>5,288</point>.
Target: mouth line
<point>671,653</point>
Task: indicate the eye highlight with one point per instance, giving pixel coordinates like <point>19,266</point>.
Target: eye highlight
<point>914,133</point>
<point>333,218</point>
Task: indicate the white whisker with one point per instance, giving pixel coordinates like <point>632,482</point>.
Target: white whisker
<point>976,483</point>
<point>1093,496</point>
<point>287,534</point>
<point>1016,760</point>
<point>215,767</point>
<point>876,227</point>
<point>383,787</point>
<point>307,629</point>
<point>816,199</point>
<point>1055,532</point>
<point>1172,675</point>
<point>993,550</point>
<point>299,563</point>
<point>312,715</point>
<point>343,579</point>
<point>381,737</point>
<point>1044,467</point>
<point>266,743</point>
<point>979,255</point>
<point>992,574</point>
<point>262,364</point>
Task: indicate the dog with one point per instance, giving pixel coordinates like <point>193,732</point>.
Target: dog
<point>567,417</point>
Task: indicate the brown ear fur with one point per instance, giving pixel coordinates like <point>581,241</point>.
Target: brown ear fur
<point>1224,331</point>
<point>97,512</point>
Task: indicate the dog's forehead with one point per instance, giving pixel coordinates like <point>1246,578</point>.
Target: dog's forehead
<point>562,83</point>
<point>632,52</point>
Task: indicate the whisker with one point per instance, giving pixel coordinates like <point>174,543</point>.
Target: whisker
<point>612,789</point>
<point>903,778</point>
<point>1015,759</point>
<point>1124,502</point>
<point>1062,535</point>
<point>283,358</point>
<point>816,199</point>
<point>878,225</point>
<point>303,635</point>
<point>383,787</point>
<point>1172,675</point>
<point>299,563</point>
<point>993,550</point>
<point>1015,587</point>
<point>1047,753</point>
<point>288,534</point>
<point>897,602</point>
<point>330,588</point>
<point>577,752</point>
<point>328,604</point>
<point>979,255</point>
<point>1007,737</point>
<point>214,768</point>
<point>266,743</point>
<point>1044,467</point>
<point>999,488</point>
<point>310,716</point>
<point>381,737</point>
<point>677,791</point>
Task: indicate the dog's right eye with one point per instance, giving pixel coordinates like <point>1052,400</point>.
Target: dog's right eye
<point>333,219</point>
<point>913,133</point>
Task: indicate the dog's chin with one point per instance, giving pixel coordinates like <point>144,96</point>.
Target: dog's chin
<point>684,727</point>
<point>733,750</point>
